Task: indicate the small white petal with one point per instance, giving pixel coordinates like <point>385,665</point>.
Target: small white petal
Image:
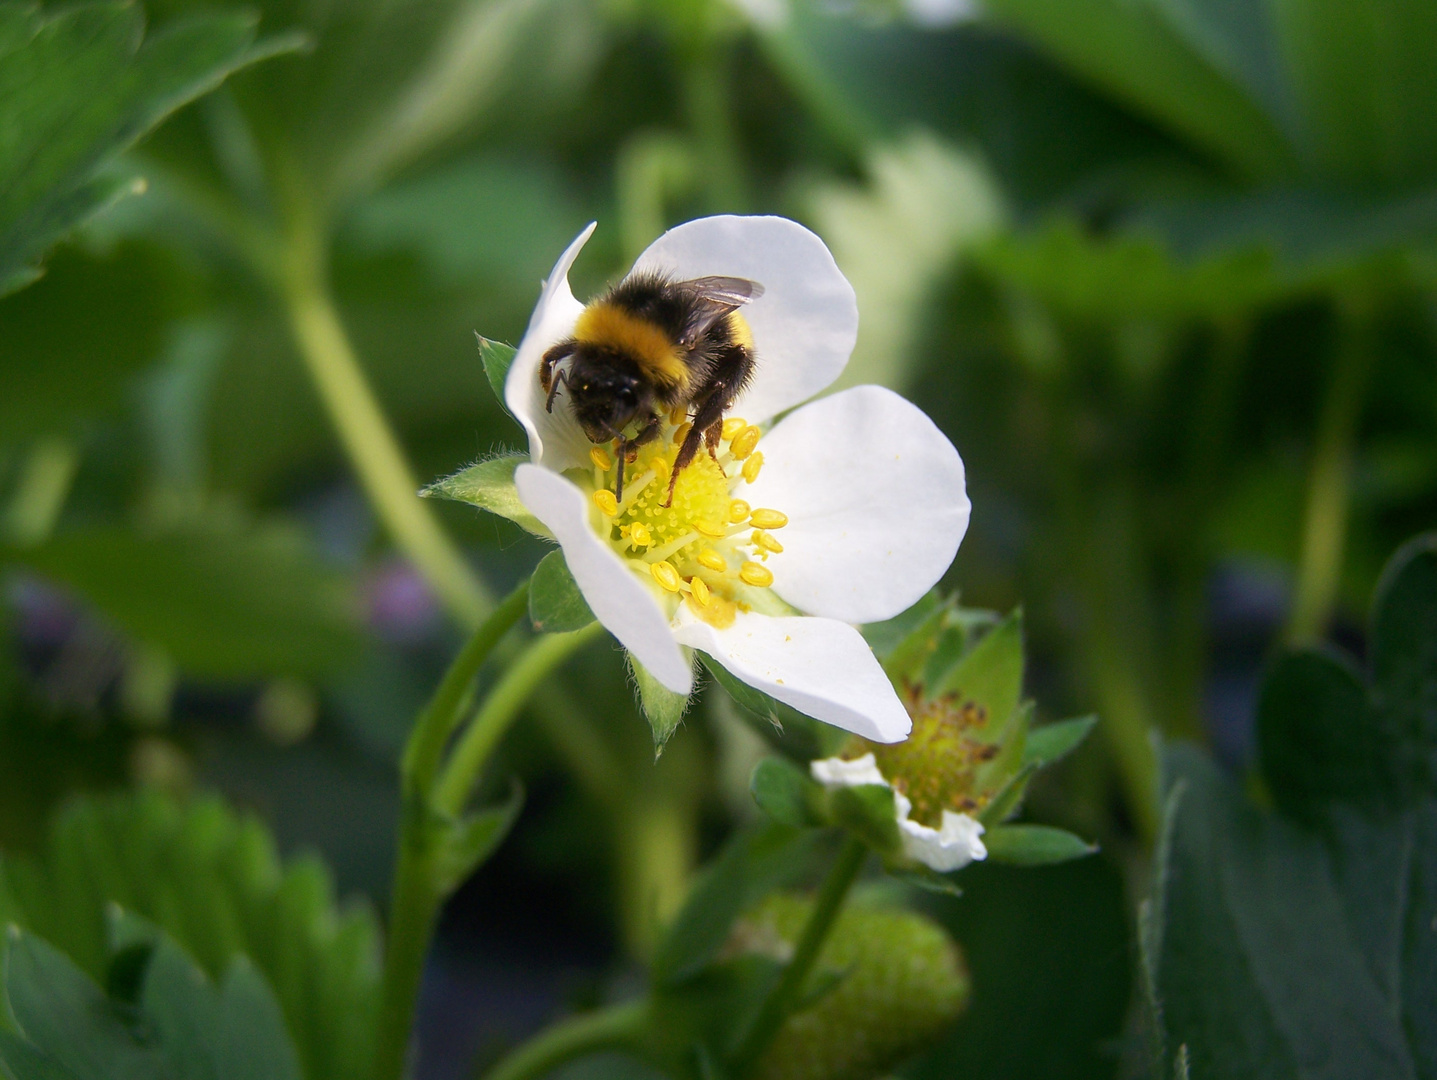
<point>617,596</point>
<point>821,667</point>
<point>875,499</point>
<point>805,323</point>
<point>836,772</point>
<point>555,438</point>
<point>954,844</point>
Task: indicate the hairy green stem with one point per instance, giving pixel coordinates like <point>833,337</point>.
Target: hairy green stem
<point>368,439</point>
<point>786,993</point>
<point>612,1028</point>
<point>1329,487</point>
<point>471,753</point>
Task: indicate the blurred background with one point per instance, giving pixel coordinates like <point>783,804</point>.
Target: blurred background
<point>1162,271</point>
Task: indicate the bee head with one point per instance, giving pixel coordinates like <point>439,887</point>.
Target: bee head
<point>606,398</point>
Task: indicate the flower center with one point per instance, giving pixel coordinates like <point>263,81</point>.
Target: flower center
<point>707,547</point>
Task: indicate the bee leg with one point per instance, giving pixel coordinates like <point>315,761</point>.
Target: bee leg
<point>712,434</point>
<point>549,380</point>
<point>708,418</point>
<point>560,378</point>
<point>628,451</point>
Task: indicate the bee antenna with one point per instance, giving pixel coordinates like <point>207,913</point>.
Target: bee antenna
<point>619,484</point>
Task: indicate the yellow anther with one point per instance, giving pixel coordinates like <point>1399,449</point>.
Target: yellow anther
<point>640,534</point>
<point>733,425</point>
<point>754,574</point>
<point>660,465</point>
<point>763,540</point>
<point>752,466</point>
<point>737,511</point>
<point>678,415</point>
<point>715,529</point>
<point>665,574</point>
<point>744,442</point>
<point>682,432</point>
<point>700,590</point>
<point>768,519</point>
<point>605,501</point>
<point>600,457</point>
<point>712,559</point>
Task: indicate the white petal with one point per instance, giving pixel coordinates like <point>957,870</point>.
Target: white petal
<point>618,598</point>
<point>875,499</point>
<point>804,324</point>
<point>822,668</point>
<point>555,438</point>
<point>954,844</point>
<point>836,772</point>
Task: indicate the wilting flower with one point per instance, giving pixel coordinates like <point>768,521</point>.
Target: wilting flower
<point>847,511</point>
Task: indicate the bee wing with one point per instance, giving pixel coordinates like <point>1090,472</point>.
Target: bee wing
<point>715,297</point>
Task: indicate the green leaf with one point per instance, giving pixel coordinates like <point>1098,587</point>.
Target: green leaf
<point>496,357</point>
<point>921,877</point>
<point>555,603</point>
<point>792,734</point>
<point>868,812</point>
<point>80,85</point>
<point>489,485</point>
<point>468,843</point>
<point>1053,742</point>
<point>220,604</point>
<point>1008,798</point>
<point>21,1061</point>
<point>212,880</point>
<point>662,708</point>
<point>1404,659</point>
<point>751,864</point>
<point>1034,845</point>
<point>785,792</point>
<point>990,676</point>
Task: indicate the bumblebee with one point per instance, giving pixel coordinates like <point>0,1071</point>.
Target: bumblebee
<point>649,347</point>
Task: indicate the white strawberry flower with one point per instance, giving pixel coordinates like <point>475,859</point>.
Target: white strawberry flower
<point>953,845</point>
<point>845,511</point>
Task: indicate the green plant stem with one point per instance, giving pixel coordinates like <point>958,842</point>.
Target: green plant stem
<point>368,439</point>
<point>605,1029</point>
<point>1329,487</point>
<point>40,492</point>
<point>441,716</point>
<point>789,988</point>
<point>501,706</point>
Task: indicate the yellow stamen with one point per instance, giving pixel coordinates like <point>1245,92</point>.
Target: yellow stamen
<point>665,574</point>
<point>752,466</point>
<point>744,442</point>
<point>700,590</point>
<point>733,425</point>
<point>769,519</point>
<point>641,535</point>
<point>605,501</point>
<point>763,540</point>
<point>682,432</point>
<point>600,458</point>
<point>711,528</point>
<point>677,416</point>
<point>737,511</point>
<point>660,467</point>
<point>754,574</point>
<point>712,559</point>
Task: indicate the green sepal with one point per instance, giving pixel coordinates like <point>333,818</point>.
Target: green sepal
<point>786,793</point>
<point>556,605</point>
<point>497,357</point>
<point>922,877</point>
<point>787,730</point>
<point>990,675</point>
<point>1053,742</point>
<point>662,708</point>
<point>1034,845</point>
<point>867,811</point>
<point>467,843</point>
<point>1005,803</point>
<point>489,485</point>
<point>904,659</point>
<point>1012,741</point>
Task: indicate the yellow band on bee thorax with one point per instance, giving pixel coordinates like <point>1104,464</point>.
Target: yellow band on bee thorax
<point>659,357</point>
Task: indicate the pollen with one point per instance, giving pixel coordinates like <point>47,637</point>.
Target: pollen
<point>756,574</point>
<point>605,501</point>
<point>765,541</point>
<point>738,511</point>
<point>744,442</point>
<point>712,559</point>
<point>732,426</point>
<point>752,466</point>
<point>768,519</point>
<point>665,574</point>
<point>600,457</point>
